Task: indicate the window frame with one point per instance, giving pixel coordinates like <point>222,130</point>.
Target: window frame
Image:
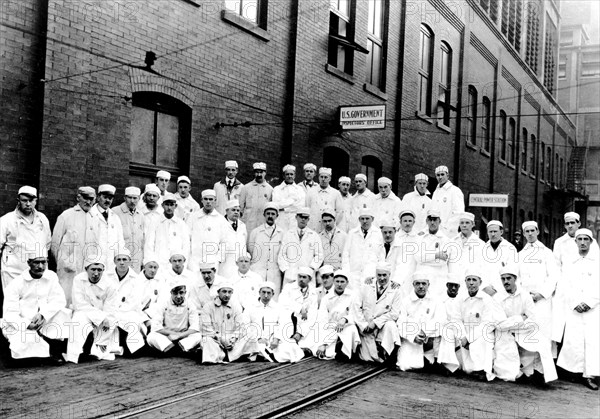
<point>380,42</point>
<point>512,143</point>
<point>472,115</point>
<point>502,136</point>
<point>425,75</point>
<point>486,123</point>
<point>262,11</point>
<point>445,86</point>
<point>524,149</point>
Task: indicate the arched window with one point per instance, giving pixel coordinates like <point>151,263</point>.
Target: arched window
<point>512,139</point>
<point>371,166</point>
<point>502,135</point>
<point>339,162</point>
<point>524,149</point>
<point>472,116</point>
<point>425,69</point>
<point>486,123</point>
<point>445,83</point>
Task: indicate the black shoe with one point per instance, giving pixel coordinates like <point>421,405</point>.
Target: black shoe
<point>538,380</point>
<point>590,383</point>
<point>56,361</point>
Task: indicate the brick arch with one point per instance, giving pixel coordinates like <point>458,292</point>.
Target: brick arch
<point>144,81</point>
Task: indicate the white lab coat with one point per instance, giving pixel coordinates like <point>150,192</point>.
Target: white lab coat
<point>386,208</point>
<point>186,206</point>
<point>333,246</point>
<point>565,252</point>
<point>426,260</point>
<point>450,200</point>
<point>358,202</point>
<point>301,303</point>
<point>18,236</point>
<point>361,254</point>
<point>134,226</point>
<point>318,200</point>
<point>419,204</point>
<point>181,318</point>
<point>493,260</point>
<point>208,234</point>
<point>233,247</point>
<point>296,253</point>
<point>288,198</point>
<point>109,235</point>
<point>253,199</point>
<point>333,308</point>
<point>165,237</point>
<point>225,194</point>
<point>264,244</point>
<point>245,287</point>
<point>344,221</point>
<point>466,253</point>
<point>25,297</point>
<point>405,246</point>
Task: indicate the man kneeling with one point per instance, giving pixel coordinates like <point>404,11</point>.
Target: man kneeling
<point>175,321</point>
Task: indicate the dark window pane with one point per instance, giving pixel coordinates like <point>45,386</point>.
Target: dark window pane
<point>142,136</point>
<point>167,140</point>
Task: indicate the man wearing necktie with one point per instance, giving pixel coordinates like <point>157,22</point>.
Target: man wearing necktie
<point>229,187</point>
<point>133,223</point>
<point>235,244</point>
<point>333,239</point>
<point>108,227</point>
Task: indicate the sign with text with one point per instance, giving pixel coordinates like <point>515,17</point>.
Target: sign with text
<point>488,200</point>
<point>362,117</point>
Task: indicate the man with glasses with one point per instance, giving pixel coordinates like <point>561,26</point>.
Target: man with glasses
<point>450,200</point>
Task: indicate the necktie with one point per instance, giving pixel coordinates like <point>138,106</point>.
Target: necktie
<point>387,248</point>
<point>365,233</point>
<point>234,225</point>
<point>105,215</point>
<point>300,234</point>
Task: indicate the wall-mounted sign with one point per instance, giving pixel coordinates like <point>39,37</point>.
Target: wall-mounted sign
<point>488,200</point>
<point>362,117</point>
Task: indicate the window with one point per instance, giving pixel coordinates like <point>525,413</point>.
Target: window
<point>425,68</point>
<point>532,166</point>
<point>542,160</point>
<point>511,22</point>
<point>486,123</point>
<point>160,135</point>
<point>511,146</point>
<point>376,44</point>
<point>549,57</point>
<point>524,150</point>
<point>472,116</point>
<point>341,46</point>
<point>254,11</point>
<point>590,65</point>
<point>566,38</point>
<point>562,67</point>
<point>532,37</point>
<point>561,179</point>
<point>491,8</point>
<point>372,167</point>
<point>549,164</point>
<point>444,105</point>
<point>338,160</point>
<point>502,135</point>
<point>556,178</point>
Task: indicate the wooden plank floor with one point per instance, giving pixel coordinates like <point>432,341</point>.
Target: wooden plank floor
<point>420,395</point>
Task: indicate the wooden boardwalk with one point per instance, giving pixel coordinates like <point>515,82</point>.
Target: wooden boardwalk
<point>182,388</point>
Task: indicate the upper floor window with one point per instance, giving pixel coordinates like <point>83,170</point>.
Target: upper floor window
<point>160,134</point>
<point>425,70</point>
<point>542,160</point>
<point>532,154</point>
<point>445,83</point>
<point>341,47</point>
<point>486,123</point>
<point>511,140</point>
<point>549,164</point>
<point>491,8</point>
<point>511,22</point>
<point>254,11</point>
<point>550,57</point>
<point>472,116</point>
<point>532,37</point>
<point>524,149</point>
<point>375,74</point>
<point>502,135</point>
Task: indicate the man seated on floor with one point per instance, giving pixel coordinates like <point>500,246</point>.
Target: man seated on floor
<point>151,287</point>
<point>94,303</point>
<point>175,321</point>
<point>379,336</point>
<point>520,350</point>
<point>223,327</point>
<point>271,327</point>
<point>337,316</point>
<point>34,312</point>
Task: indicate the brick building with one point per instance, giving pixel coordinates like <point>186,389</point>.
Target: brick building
<point>470,84</point>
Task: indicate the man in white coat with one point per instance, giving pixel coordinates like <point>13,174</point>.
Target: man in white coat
<point>363,250</point>
<point>73,236</point>
<point>268,321</point>
<point>21,231</point>
<point>344,188</point>
<point>35,313</point>
<point>497,252</point>
<point>208,231</point>
<point>466,247</point>
<point>229,187</point>
<point>235,244</point>
<point>538,276</point>
<point>310,170</point>
<point>407,244</point>
<point>288,196</point>
<point>133,223</point>
<point>386,204</point>
<point>418,201</point>
<point>300,246</point>
<point>581,345</point>
<point>161,183</point>
<point>186,204</point>
<point>264,244</point>
<point>450,200</point>
<point>379,332</point>
<point>333,239</point>
<point>362,198</point>
<point>109,230</point>
<point>245,282</point>
<point>170,234</point>
<point>321,198</point>
<point>254,196</point>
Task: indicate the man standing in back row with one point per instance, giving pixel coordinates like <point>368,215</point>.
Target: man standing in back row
<point>450,200</point>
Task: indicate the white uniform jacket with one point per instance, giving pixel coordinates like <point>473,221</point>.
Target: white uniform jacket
<point>109,234</point>
<point>419,204</point>
<point>208,234</point>
<point>358,202</point>
<point>252,199</point>
<point>186,206</point>
<point>296,253</point>
<point>226,193</point>
<point>333,246</point>
<point>450,200</point>
<point>133,224</point>
<point>318,200</point>
<point>264,244</point>
<point>361,254</point>
<point>164,238</point>
<point>386,208</point>
<point>233,247</point>
<point>288,197</point>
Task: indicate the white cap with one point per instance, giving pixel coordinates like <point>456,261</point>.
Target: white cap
<point>232,203</point>
<point>163,174</point>
<point>207,267</point>
<point>168,196</point>
<point>328,211</point>
<point>326,269</point>
<point>244,255</point>
<point>303,211</point>
<point>509,268</point>
<point>151,187</point>
<point>27,190</point>
<point>572,216</point>
<point>37,252</point>
<point>473,271</point>
<point>467,216</point>
<point>441,169</point>
<point>387,222</point>
<point>495,223</point>
<point>289,167</point>
<point>132,191</point>
<point>184,179</point>
<point>452,279</point>
<point>325,171</point>
<point>344,179</point>
<point>360,176</point>
<point>421,176</point>
<point>406,211</point>
<point>305,270</point>
<point>224,284</point>
<point>310,166</point>
<point>86,190</point>
<point>271,205</point>
<point>422,275</point>
<point>176,281</point>
<point>260,166</point>
<point>366,212</point>
<point>176,251</point>
<point>208,192</point>
<point>529,224</point>
<point>106,188</point>
<point>123,251</point>
<point>434,213</point>
<point>384,181</point>
<point>584,232</point>
<point>383,267</point>
<point>341,272</point>
<point>231,164</point>
<point>267,284</point>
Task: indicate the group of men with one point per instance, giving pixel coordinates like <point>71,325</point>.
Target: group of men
<point>257,272</point>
